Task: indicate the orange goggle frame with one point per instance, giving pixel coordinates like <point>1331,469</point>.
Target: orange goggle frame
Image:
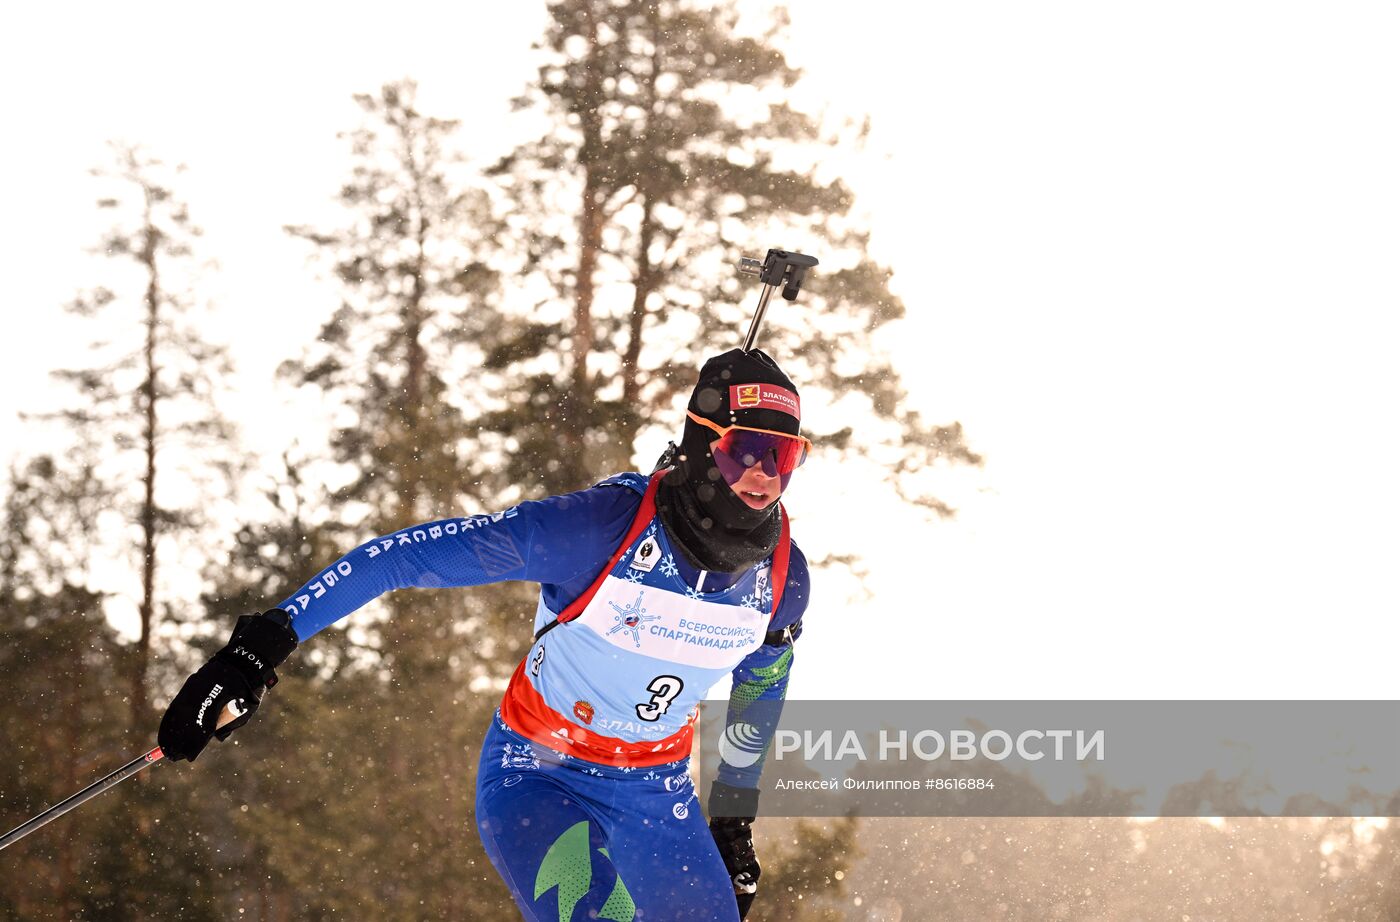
<point>741,447</point>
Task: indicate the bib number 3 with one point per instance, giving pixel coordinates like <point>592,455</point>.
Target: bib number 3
<point>664,689</point>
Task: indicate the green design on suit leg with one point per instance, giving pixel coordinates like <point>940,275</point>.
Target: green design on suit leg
<point>619,901</point>
<point>568,866</point>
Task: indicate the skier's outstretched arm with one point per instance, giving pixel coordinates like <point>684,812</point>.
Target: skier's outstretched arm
<point>549,541</point>
<point>755,702</point>
<point>545,541</point>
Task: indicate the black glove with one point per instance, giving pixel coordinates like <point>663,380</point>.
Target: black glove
<point>240,673</point>
<point>734,836</point>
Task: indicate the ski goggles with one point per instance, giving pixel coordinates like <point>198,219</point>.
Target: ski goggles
<point>740,448</point>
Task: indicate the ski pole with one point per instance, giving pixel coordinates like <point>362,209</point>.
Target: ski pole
<point>779,269</point>
<point>230,713</point>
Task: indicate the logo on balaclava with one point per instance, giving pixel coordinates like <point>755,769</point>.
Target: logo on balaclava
<point>765,397</point>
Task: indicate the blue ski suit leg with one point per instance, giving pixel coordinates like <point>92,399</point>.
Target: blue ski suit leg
<point>576,840</point>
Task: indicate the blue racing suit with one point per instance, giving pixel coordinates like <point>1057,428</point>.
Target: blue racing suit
<point>584,801</point>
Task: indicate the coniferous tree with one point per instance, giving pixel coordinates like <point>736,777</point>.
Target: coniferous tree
<point>108,860</point>
<point>300,796</point>
<point>53,640</point>
<point>146,455</point>
<point>671,135</point>
<point>415,296</point>
<point>806,869</point>
<point>1366,863</point>
<point>149,398</point>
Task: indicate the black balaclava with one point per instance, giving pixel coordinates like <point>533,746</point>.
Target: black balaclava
<point>706,520</point>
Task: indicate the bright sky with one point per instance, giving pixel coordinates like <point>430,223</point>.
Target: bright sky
<point>1148,253</point>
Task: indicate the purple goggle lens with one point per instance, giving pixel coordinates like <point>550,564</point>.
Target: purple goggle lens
<point>777,454</point>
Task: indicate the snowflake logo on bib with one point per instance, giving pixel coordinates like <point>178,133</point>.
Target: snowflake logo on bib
<point>631,618</point>
<point>668,566</point>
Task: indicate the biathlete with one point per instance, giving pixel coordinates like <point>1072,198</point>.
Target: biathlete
<point>651,589</point>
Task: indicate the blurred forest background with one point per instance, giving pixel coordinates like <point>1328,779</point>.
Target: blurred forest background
<point>475,362</point>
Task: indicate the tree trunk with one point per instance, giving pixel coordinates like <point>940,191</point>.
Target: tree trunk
<point>644,285</point>
<point>591,221</point>
<point>411,411</point>
<point>70,709</point>
<point>646,279</point>
<point>590,242</point>
<point>417,359</point>
<point>141,662</point>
